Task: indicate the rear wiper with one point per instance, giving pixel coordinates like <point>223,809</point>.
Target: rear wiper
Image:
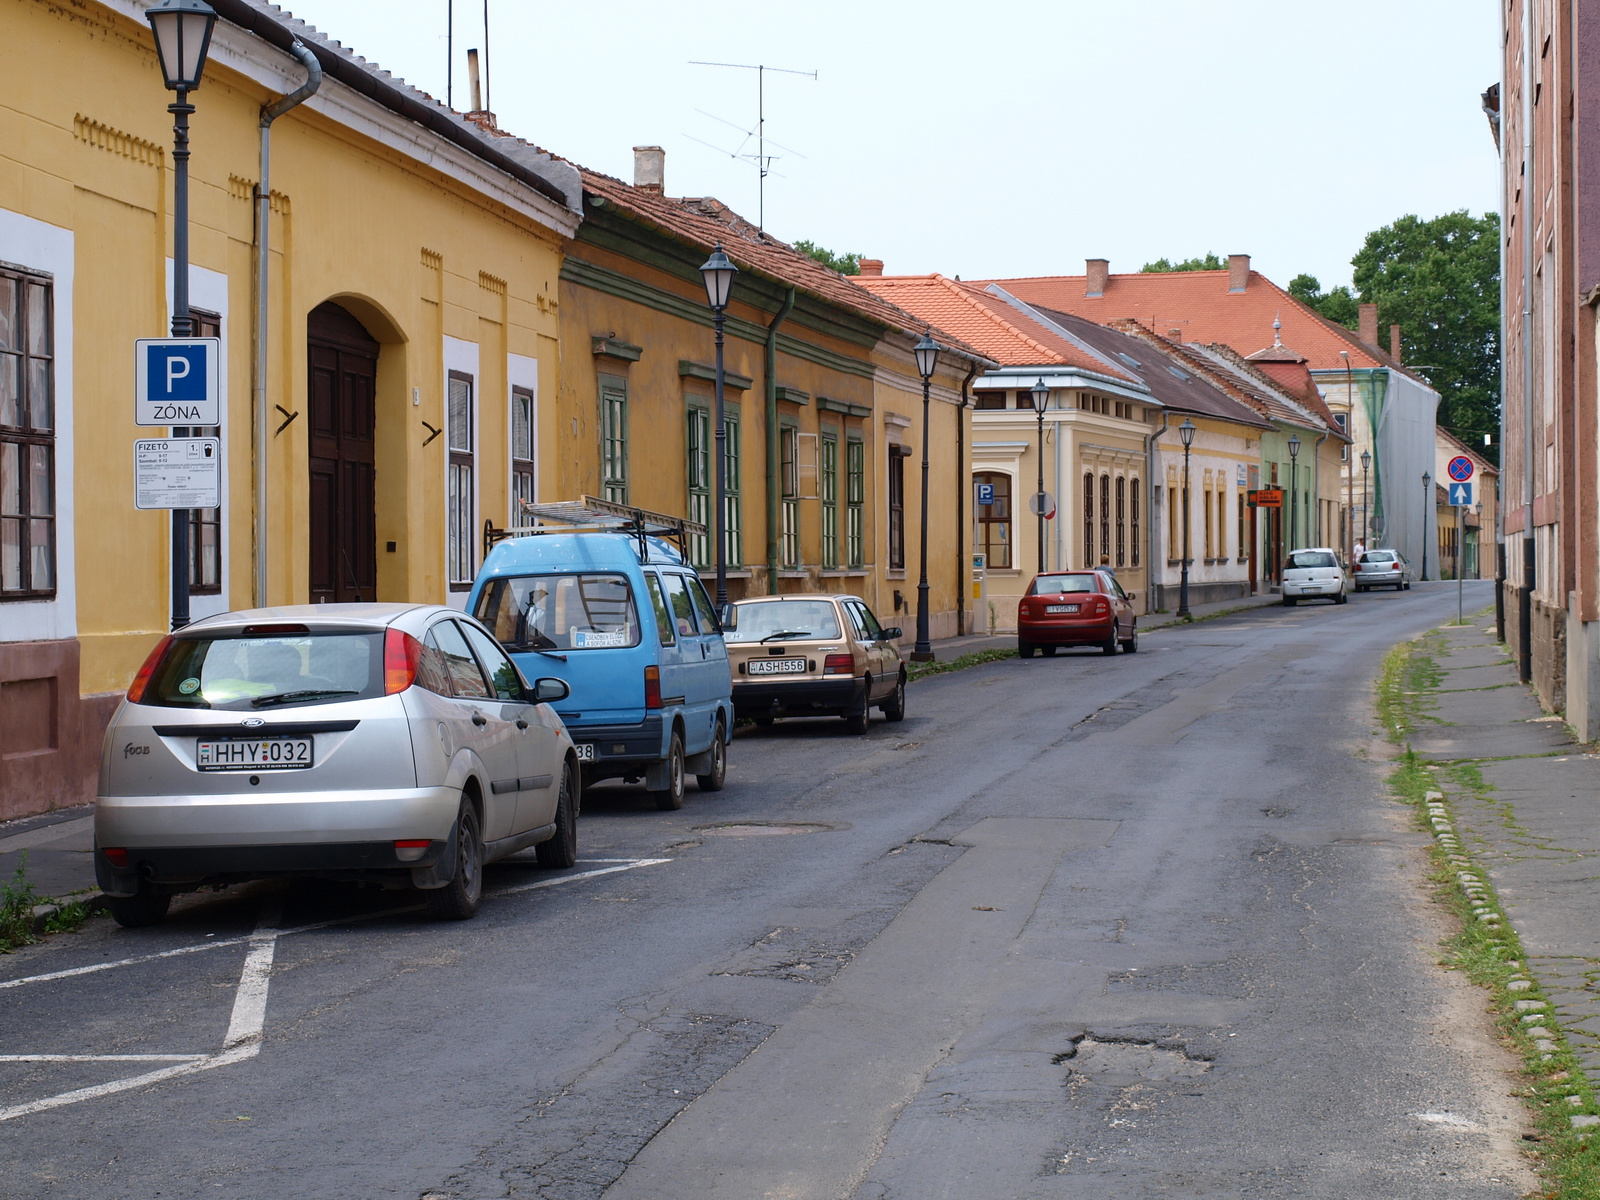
<point>784,633</point>
<point>291,697</point>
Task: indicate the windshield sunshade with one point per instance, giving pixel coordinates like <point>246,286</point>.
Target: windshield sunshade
<point>560,612</point>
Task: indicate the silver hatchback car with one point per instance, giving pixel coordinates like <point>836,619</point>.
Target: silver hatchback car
<point>1382,568</point>
<point>392,743</point>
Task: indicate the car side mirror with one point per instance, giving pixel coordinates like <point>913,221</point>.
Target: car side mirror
<point>550,689</point>
<point>728,617</point>
<point>892,634</point>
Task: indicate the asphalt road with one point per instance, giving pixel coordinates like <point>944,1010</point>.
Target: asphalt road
<point>1142,926</point>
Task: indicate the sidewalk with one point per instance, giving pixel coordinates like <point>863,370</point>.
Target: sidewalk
<point>1526,803</point>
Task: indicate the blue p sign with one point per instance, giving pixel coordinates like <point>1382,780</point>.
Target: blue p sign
<point>177,372</point>
<point>986,493</point>
<point>178,381</point>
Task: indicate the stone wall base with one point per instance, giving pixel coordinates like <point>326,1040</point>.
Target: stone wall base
<point>50,736</point>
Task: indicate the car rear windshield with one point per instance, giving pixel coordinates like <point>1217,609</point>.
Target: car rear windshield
<point>240,671</point>
<point>1053,585</point>
<point>560,612</point>
<point>1311,558</point>
<point>1378,556</point>
<point>780,620</point>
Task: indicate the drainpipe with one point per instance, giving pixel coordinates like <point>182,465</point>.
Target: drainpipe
<point>963,486</point>
<point>1505,324</point>
<point>1316,478</point>
<point>269,114</point>
<point>772,441</point>
<point>1150,514</point>
<point>1529,563</point>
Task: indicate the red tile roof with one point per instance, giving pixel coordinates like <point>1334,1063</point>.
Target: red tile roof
<point>998,329</point>
<point>705,222</point>
<point>1199,304</point>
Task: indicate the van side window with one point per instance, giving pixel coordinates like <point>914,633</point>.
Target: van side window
<point>678,600</point>
<point>663,620</point>
<point>702,607</point>
<point>462,668</point>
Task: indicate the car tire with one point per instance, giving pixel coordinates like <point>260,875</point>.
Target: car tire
<point>670,798</point>
<point>1341,598</point>
<point>1402,587</point>
<point>764,722</point>
<point>1131,646</point>
<point>458,899</point>
<point>148,906</point>
<point>714,779</point>
<point>1048,651</point>
<point>1025,649</point>
<point>1109,646</point>
<point>894,708</point>
<point>561,851</point>
<point>1290,601</point>
<point>857,722</point>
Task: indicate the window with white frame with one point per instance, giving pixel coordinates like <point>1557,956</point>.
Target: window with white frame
<point>522,419</point>
<point>614,440</point>
<point>27,436</point>
<point>460,489</point>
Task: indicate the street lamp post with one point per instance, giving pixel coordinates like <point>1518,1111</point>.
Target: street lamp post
<point>1040,396</point>
<point>1366,501</point>
<point>1427,498</point>
<point>183,35</point>
<point>927,356</point>
<point>718,272</point>
<point>1294,492</point>
<point>1186,435</point>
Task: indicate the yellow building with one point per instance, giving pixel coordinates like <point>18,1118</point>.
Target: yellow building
<point>414,260</point>
<point>822,402</point>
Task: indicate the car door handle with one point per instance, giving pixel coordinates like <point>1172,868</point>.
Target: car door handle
<point>521,724</point>
<point>479,719</point>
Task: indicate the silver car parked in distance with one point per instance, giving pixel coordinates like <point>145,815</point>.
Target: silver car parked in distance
<point>388,743</point>
<point>1381,568</point>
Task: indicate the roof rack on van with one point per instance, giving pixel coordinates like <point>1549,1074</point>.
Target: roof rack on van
<point>592,513</point>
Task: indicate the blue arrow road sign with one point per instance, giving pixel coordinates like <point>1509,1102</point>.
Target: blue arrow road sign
<point>177,381</point>
<point>1461,495</point>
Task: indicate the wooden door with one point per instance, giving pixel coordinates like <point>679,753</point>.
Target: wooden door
<point>343,546</point>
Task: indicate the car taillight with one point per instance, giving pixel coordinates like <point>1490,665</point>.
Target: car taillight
<point>652,687</point>
<point>411,849</point>
<point>1357,567</point>
<point>142,679</point>
<point>117,856</point>
<point>838,664</point>
<point>402,655</point>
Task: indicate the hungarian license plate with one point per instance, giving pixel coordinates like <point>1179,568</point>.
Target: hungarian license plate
<point>776,666</point>
<point>254,754</point>
<point>1060,608</point>
<point>585,751</point>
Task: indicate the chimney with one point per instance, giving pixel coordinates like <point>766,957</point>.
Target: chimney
<point>1099,273</point>
<point>870,266</point>
<point>1238,272</point>
<point>1394,342</point>
<point>479,116</point>
<point>1367,327</point>
<point>649,168</point>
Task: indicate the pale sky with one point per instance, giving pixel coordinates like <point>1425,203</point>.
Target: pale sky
<point>1007,137</point>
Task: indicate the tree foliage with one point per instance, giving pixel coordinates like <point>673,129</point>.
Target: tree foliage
<point>1337,304</point>
<point>845,264</point>
<point>1210,262</point>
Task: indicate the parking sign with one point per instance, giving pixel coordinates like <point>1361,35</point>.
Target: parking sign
<point>986,493</point>
<point>177,381</point>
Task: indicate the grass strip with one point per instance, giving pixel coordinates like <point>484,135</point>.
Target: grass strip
<point>18,926</point>
<point>921,670</point>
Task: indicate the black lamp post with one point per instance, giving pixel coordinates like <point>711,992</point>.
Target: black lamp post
<point>183,35</point>
<point>1294,492</point>
<point>927,356</point>
<point>1427,498</point>
<point>718,272</point>
<point>1040,395</point>
<point>1366,501</point>
<point>1186,435</point>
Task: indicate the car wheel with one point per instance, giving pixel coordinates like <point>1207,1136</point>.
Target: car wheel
<point>713,779</point>
<point>1048,651</point>
<point>561,851</point>
<point>1109,646</point>
<point>146,907</point>
<point>671,797</point>
<point>458,899</point>
<point>856,722</point>
<point>894,708</point>
<point>1131,646</point>
<point>1341,598</point>
<point>1403,587</point>
<point>1290,601</point>
<point>1025,649</point>
<point>764,722</point>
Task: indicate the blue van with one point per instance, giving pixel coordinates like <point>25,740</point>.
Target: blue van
<point>625,621</point>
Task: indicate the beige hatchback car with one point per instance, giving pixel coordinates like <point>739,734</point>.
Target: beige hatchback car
<point>811,656</point>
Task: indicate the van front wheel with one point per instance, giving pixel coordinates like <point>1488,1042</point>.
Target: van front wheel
<point>671,797</point>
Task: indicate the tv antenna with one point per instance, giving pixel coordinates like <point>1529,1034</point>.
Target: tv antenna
<point>761,158</point>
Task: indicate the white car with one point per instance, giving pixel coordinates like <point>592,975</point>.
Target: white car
<point>1313,574</point>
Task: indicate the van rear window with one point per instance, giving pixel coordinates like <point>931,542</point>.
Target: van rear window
<point>578,611</point>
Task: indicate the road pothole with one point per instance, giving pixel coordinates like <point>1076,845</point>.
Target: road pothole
<point>1121,1063</point>
<point>762,828</point>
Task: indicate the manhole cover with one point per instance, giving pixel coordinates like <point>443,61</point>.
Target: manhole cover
<point>761,828</point>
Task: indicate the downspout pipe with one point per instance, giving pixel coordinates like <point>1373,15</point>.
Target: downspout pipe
<point>772,441</point>
<point>1151,539</point>
<point>1529,562</point>
<point>1505,325</point>
<point>269,114</point>
<point>963,487</point>
<point>1316,479</point>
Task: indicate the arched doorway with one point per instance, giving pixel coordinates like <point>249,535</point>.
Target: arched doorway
<point>342,359</point>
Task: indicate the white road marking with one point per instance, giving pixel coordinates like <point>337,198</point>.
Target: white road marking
<point>248,1020</point>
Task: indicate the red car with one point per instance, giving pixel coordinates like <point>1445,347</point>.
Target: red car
<point>1076,608</point>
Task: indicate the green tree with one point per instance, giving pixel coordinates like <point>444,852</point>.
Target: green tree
<point>1210,262</point>
<point>845,264</point>
<point>1337,304</point>
<point>1439,280</point>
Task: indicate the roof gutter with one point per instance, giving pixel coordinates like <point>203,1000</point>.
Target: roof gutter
<point>771,369</point>
<point>433,118</point>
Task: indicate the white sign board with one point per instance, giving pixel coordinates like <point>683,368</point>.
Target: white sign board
<point>177,473</point>
<point>177,381</point>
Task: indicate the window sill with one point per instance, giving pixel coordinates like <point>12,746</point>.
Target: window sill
<point>460,587</point>
<point>711,573</point>
<point>842,573</point>
<point>794,573</point>
<point>895,573</point>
